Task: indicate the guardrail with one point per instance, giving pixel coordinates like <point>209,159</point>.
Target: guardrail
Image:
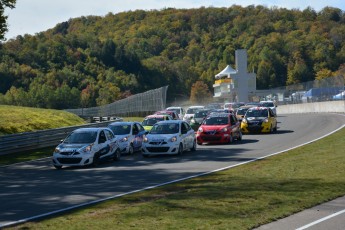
<point>40,139</point>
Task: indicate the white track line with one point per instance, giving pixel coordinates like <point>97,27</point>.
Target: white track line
<point>321,220</point>
<point>156,186</point>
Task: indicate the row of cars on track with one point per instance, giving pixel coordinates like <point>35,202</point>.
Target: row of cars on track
<point>161,133</point>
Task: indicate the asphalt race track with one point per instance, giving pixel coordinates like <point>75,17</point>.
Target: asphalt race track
<point>33,189</point>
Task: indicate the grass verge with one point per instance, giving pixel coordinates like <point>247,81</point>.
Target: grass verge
<point>17,119</point>
<point>243,197</point>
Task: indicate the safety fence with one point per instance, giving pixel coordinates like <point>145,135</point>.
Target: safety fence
<point>135,105</point>
<point>328,89</point>
<point>41,139</point>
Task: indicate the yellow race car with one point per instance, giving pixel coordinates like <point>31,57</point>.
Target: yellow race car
<point>259,120</point>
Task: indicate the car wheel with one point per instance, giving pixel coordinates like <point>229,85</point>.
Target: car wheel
<point>95,160</point>
<point>58,166</point>
<point>194,146</point>
<point>180,149</point>
<point>117,155</point>
<point>231,138</point>
<point>131,149</point>
<point>239,138</point>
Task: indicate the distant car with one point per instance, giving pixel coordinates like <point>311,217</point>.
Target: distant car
<point>150,120</point>
<point>339,96</point>
<point>129,135</point>
<point>253,104</point>
<point>221,111</point>
<point>233,105</point>
<point>269,104</point>
<point>169,137</point>
<point>219,128</point>
<point>198,118</point>
<point>86,146</point>
<point>172,113</point>
<point>191,111</point>
<point>241,111</point>
<point>259,120</point>
<point>179,110</point>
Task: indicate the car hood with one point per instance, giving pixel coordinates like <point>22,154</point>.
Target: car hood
<point>70,147</point>
<point>206,128</point>
<point>255,118</point>
<point>160,137</point>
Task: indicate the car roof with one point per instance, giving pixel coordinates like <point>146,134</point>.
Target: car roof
<point>259,108</point>
<point>156,115</point>
<point>123,123</point>
<point>219,115</point>
<point>170,122</point>
<point>92,129</point>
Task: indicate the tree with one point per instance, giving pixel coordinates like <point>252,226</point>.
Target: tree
<point>200,94</point>
<point>3,25</point>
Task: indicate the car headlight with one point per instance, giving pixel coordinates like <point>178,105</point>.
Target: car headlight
<point>57,150</point>
<point>124,139</point>
<point>266,120</point>
<point>145,139</point>
<point>192,120</point>
<point>173,139</point>
<point>224,130</point>
<point>200,130</point>
<point>244,120</point>
<point>88,148</point>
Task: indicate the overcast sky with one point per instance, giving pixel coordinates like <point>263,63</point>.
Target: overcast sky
<point>33,16</point>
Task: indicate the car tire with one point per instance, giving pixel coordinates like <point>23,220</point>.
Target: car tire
<point>231,138</point>
<point>131,149</point>
<point>95,160</point>
<point>117,155</point>
<point>239,138</point>
<point>180,149</point>
<point>193,149</point>
<point>58,167</point>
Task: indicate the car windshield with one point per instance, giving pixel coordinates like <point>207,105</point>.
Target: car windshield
<point>267,104</point>
<point>192,111</point>
<point>257,113</point>
<point>81,138</point>
<point>200,114</point>
<point>175,110</point>
<point>165,129</point>
<point>241,111</point>
<point>152,121</point>
<point>120,129</point>
<point>216,121</point>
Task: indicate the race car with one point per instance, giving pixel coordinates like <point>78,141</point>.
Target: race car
<point>169,137</point>
<point>219,128</point>
<point>259,120</point>
<point>86,146</point>
<point>129,135</point>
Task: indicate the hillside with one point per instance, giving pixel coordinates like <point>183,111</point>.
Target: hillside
<point>16,119</point>
<point>92,60</point>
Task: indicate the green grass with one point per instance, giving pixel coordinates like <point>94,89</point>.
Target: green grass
<point>16,119</point>
<point>243,197</point>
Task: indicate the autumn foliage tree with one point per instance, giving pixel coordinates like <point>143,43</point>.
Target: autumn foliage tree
<point>200,93</point>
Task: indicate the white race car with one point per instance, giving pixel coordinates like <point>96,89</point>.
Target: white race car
<point>86,146</point>
<point>169,137</point>
<point>129,135</point>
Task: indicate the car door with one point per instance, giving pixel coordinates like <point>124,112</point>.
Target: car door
<point>103,144</point>
<point>187,134</point>
<point>235,125</point>
<point>138,132</point>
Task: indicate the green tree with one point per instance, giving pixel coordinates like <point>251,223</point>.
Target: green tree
<point>3,18</point>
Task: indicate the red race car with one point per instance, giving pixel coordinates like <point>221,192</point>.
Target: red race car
<point>219,128</point>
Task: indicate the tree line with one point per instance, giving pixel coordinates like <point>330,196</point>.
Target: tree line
<point>93,60</point>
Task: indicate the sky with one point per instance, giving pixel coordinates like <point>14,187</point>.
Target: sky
<point>34,16</point>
